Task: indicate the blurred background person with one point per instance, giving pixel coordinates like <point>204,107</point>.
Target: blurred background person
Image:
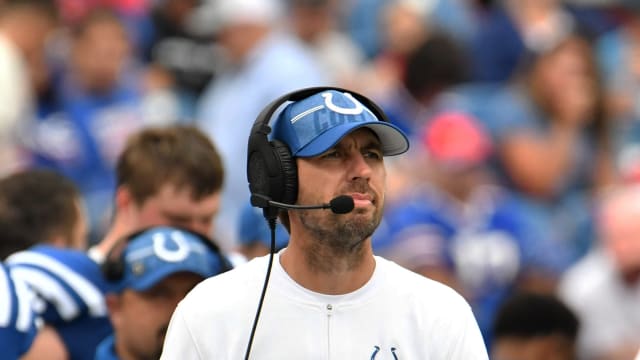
<point>433,68</point>
<point>512,29</point>
<point>316,23</point>
<point>100,101</point>
<point>45,207</point>
<point>454,225</point>
<point>43,231</point>
<point>149,273</point>
<point>166,176</point>
<point>531,326</point>
<point>22,334</point>
<point>429,72</point>
<point>25,26</point>
<point>552,139</point>
<point>182,50</point>
<point>618,53</point>
<point>264,61</point>
<point>603,288</point>
<point>402,26</point>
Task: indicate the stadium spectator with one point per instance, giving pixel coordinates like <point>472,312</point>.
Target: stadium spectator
<point>100,101</point>
<point>552,139</point>
<point>264,61</point>
<point>316,23</point>
<point>25,26</point>
<point>454,225</point>
<point>603,288</point>
<point>530,326</point>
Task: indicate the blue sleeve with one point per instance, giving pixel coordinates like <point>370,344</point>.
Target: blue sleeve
<point>17,321</point>
<point>67,280</point>
<point>70,292</point>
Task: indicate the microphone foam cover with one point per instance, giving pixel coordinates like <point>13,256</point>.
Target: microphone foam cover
<point>342,204</point>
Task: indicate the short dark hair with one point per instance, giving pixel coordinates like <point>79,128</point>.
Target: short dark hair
<point>526,315</point>
<point>48,8</point>
<point>36,205</point>
<point>179,155</point>
<point>438,63</point>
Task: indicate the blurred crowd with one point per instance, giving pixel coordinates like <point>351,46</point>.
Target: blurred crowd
<point>524,118</point>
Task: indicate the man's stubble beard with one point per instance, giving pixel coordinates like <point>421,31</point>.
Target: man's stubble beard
<point>337,237</point>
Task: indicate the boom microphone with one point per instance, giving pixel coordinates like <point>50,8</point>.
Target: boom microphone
<point>342,204</point>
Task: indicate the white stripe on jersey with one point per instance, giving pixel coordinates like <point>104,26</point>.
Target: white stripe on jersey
<point>5,298</point>
<point>89,293</point>
<point>25,314</point>
<point>50,289</point>
<point>8,307</point>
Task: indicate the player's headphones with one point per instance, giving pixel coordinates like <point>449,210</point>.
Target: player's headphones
<point>114,263</point>
<point>271,169</point>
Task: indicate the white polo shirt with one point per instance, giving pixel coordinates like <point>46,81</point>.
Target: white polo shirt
<point>397,315</point>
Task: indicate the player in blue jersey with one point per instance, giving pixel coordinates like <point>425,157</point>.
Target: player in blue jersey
<point>70,295</point>
<point>42,208</point>
<point>22,335</point>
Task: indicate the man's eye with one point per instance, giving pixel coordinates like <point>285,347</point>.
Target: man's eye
<point>373,155</point>
<point>331,154</point>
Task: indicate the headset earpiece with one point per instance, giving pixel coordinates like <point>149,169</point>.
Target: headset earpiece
<point>289,171</point>
<point>113,269</point>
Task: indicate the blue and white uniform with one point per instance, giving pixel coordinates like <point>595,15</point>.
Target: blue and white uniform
<point>70,295</point>
<point>17,320</point>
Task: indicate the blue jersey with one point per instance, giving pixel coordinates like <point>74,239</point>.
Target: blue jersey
<point>107,350</point>
<point>17,320</point>
<point>70,295</point>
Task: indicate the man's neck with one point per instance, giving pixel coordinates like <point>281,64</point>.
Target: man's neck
<point>322,270</point>
<point>116,232</point>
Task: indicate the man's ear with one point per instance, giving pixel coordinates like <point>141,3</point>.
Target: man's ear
<point>124,198</point>
<point>114,306</point>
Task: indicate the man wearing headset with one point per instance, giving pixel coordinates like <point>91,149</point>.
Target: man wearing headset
<point>329,296</point>
<point>149,272</point>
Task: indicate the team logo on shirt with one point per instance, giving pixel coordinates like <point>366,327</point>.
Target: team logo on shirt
<point>376,350</point>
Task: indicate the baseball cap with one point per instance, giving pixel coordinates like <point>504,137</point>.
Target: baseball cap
<point>456,138</point>
<point>313,125</point>
<point>155,254</point>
